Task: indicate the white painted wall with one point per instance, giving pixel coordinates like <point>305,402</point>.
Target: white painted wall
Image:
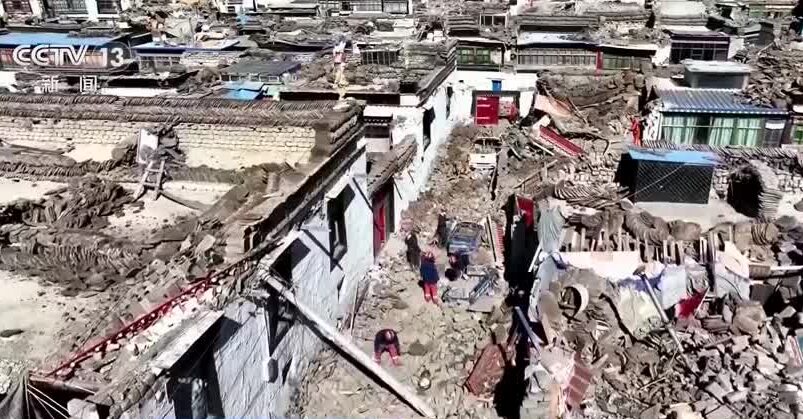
<point>241,361</point>
<point>466,82</point>
<point>652,125</point>
<point>92,10</point>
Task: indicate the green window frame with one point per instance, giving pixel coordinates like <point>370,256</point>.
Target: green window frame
<point>715,130</point>
<point>797,134</point>
<point>474,56</point>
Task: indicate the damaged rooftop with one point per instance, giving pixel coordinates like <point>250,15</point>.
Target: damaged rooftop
<point>392,208</point>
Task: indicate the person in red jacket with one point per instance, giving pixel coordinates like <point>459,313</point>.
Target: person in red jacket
<point>429,276</point>
<point>387,340</point>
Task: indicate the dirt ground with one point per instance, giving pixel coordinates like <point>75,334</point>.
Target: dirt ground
<point>40,312</point>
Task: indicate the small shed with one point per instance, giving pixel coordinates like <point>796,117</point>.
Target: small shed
<point>683,176</point>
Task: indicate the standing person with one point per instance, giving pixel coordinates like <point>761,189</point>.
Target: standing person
<point>429,276</point>
<point>413,249</point>
<point>387,340</point>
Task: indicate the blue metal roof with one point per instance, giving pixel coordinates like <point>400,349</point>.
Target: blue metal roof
<point>255,86</point>
<point>53,38</point>
<point>242,94</point>
<point>710,101</point>
<point>704,158</point>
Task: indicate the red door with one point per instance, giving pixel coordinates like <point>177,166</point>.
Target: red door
<point>380,235</point>
<point>486,110</point>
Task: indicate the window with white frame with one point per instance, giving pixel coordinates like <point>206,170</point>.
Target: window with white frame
<point>491,20</point>
<point>396,7</point>
<point>381,57</point>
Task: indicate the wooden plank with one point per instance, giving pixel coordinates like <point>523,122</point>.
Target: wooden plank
<point>346,345</point>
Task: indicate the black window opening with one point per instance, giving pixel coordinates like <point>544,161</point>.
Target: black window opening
<point>429,118</point>
<point>17,6</point>
<point>449,93</point>
<point>379,57</point>
<point>68,6</point>
<point>108,6</point>
<point>701,50</point>
<point>336,212</point>
<point>377,130</point>
<point>280,313</point>
<point>490,20</point>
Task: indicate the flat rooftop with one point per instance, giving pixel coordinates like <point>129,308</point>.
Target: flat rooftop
<point>54,38</point>
<point>719,67</point>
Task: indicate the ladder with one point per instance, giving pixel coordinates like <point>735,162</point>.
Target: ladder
<point>146,181</point>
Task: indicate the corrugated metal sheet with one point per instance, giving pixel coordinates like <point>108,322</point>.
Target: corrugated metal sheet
<point>706,158</point>
<point>560,142</point>
<point>710,101</point>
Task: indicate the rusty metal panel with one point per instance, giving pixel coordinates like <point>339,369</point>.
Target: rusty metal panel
<point>579,383</point>
<point>488,369</point>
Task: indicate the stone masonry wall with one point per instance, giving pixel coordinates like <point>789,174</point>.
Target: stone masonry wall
<point>217,146</point>
<point>790,176</point>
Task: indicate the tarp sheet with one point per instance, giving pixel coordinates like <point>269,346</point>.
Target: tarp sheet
<point>18,405</point>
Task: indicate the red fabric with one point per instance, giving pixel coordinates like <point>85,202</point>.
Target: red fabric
<point>636,128</point>
<point>687,307</point>
<point>526,209</point>
<point>392,350</point>
<point>431,292</point>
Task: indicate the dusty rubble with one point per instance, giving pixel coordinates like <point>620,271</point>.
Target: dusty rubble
<point>776,81</point>
<point>727,348</point>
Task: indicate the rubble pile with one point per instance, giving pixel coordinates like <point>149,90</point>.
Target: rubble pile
<point>84,203</point>
<point>776,77</point>
<point>592,98</point>
<point>588,196</point>
<point>77,261</point>
<point>753,190</point>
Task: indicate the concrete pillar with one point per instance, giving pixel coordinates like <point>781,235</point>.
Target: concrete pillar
<point>92,10</point>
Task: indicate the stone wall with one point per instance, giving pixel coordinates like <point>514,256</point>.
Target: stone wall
<point>786,168</point>
<point>213,145</point>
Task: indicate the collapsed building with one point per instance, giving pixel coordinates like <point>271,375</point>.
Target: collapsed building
<point>181,239</point>
<point>122,294</point>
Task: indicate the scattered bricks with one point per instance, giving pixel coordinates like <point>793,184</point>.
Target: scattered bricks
<point>705,405</point>
<point>793,372</point>
<point>760,385</point>
<point>740,343</point>
<point>787,312</point>
<point>724,381</point>
<point>736,396</point>
<point>716,391</point>
<point>721,412</point>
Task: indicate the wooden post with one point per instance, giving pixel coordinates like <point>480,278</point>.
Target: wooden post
<point>344,343</point>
